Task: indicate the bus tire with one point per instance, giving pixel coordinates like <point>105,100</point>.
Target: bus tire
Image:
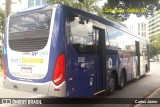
<point>122,81</point>
<point>112,84</point>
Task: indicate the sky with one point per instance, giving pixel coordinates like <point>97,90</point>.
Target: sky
<point>24,3</point>
<point>101,3</point>
<point>16,5</point>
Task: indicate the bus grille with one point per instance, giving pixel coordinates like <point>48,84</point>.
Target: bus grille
<point>28,45</point>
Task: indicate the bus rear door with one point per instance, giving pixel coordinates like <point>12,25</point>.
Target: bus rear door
<point>99,51</point>
<point>138,58</point>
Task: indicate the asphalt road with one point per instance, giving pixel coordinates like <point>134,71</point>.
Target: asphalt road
<point>139,88</point>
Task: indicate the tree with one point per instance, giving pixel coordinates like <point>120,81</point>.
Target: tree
<point>67,2</point>
<point>123,8</point>
<point>87,5</point>
<point>154,45</point>
<point>2,22</point>
<point>2,28</point>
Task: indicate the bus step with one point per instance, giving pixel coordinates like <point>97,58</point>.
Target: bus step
<point>98,92</point>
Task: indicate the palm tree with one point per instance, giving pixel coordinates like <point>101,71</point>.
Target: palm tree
<point>87,5</point>
<point>67,2</point>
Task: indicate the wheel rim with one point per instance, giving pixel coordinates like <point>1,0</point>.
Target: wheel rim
<point>122,80</point>
<point>112,84</point>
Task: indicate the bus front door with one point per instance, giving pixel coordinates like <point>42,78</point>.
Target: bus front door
<point>99,51</point>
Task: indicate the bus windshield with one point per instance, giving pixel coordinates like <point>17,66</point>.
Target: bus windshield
<point>29,32</point>
<point>28,22</point>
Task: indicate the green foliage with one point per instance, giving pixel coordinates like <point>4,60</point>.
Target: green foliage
<point>2,22</point>
<point>111,17</point>
<point>154,45</point>
<point>2,28</point>
<point>87,5</point>
<point>144,7</point>
<point>67,2</point>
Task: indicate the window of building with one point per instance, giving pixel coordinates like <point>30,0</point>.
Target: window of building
<point>141,26</point>
<point>138,26</point>
<point>38,2</point>
<point>30,3</point>
<point>44,1</point>
<point>144,26</point>
<point>144,34</point>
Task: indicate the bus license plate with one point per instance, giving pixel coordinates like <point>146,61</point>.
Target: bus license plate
<point>26,70</point>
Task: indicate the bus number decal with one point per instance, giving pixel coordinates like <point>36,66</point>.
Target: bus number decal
<point>81,59</point>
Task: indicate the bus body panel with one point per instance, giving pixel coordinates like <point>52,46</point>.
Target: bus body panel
<point>44,85</point>
<point>47,88</point>
<point>80,76</point>
<point>29,54</point>
<point>83,75</point>
<point>55,48</point>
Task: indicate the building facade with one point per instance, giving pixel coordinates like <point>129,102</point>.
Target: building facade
<point>154,24</point>
<point>137,25</point>
<point>36,2</point>
<point>17,5</point>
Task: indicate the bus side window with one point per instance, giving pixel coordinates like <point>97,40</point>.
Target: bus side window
<point>112,41</point>
<point>68,31</point>
<point>81,34</point>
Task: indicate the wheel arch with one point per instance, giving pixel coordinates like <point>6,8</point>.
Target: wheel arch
<point>115,73</point>
<point>125,73</point>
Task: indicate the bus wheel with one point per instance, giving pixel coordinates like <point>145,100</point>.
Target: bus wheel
<point>122,80</point>
<point>112,84</point>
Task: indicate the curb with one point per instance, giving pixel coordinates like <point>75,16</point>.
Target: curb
<point>155,93</point>
<point>152,95</point>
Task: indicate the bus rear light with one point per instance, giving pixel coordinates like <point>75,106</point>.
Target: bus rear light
<point>60,69</point>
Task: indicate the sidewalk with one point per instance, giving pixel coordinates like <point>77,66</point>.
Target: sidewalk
<point>155,94</point>
<point>1,73</point>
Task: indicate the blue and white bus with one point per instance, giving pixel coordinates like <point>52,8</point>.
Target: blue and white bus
<point>57,50</point>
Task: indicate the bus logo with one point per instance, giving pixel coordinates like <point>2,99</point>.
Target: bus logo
<point>110,63</point>
<point>81,59</point>
<point>34,53</point>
